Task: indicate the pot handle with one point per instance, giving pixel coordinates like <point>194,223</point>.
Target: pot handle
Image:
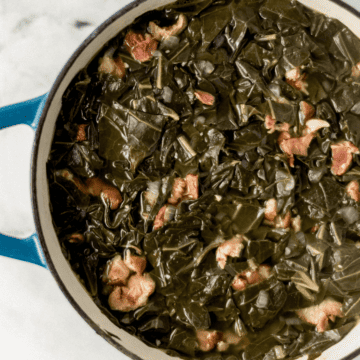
<point>27,112</point>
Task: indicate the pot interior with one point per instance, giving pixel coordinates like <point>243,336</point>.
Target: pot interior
<point>59,266</point>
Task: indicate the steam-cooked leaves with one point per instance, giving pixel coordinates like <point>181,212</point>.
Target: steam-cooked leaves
<point>283,9</point>
<point>212,22</point>
<point>351,306</point>
<point>346,268</point>
<point>194,314</point>
<point>249,137</point>
<point>260,250</point>
<point>260,303</point>
<point>183,339</point>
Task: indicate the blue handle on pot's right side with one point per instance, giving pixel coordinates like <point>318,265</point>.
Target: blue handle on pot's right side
<point>27,112</point>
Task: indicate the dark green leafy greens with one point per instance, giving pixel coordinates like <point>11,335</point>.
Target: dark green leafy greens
<point>215,160</point>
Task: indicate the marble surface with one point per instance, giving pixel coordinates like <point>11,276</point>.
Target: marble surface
<point>36,39</point>
<point>38,36</point>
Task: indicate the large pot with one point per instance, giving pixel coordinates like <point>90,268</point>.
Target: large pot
<point>43,248</point>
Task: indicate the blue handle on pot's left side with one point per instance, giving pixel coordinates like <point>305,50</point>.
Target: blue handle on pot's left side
<point>27,112</point>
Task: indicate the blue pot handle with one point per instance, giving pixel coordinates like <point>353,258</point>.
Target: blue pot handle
<point>27,112</point>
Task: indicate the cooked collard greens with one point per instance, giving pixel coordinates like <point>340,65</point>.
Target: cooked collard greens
<point>204,179</point>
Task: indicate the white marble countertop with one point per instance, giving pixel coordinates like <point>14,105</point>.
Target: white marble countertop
<point>36,39</point>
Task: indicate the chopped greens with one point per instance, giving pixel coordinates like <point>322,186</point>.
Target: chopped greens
<point>204,179</point>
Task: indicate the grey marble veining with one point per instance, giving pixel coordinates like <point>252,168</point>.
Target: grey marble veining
<point>37,37</point>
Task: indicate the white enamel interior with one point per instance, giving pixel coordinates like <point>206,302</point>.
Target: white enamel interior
<point>73,286</point>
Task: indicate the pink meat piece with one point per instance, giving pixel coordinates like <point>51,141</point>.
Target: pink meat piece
<point>284,127</point>
<point>76,238</point>
<point>160,218</point>
<point>319,315</point>
<point>231,338</point>
<point>135,263</point>
<point>208,339</point>
<point>163,33</point>
<point>112,66</point>
<point>299,84</point>
<point>141,48</point>
<point>307,111</point>
<point>283,221</point>
<point>239,284</point>
<point>283,136</point>
<point>231,248</point>
<point>251,277</point>
<point>355,71</point>
<point>342,156</point>
<point>297,146</point>
<point>177,192</point>
<point>192,187</point>
<point>81,135</point>
<point>205,97</point>
<point>270,124</point>
<point>132,296</point>
<point>116,272</point>
<point>270,209</point>
<point>293,74</point>
<point>184,189</point>
<point>165,214</point>
<point>97,187</point>
<point>314,125</point>
<point>352,189</point>
<point>222,346</point>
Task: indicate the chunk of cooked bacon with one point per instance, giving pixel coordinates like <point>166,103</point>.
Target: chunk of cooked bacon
<point>205,97</point>
<point>132,296</point>
<point>270,209</point>
<point>352,189</point>
<point>293,74</point>
<point>230,248</point>
<point>76,238</point>
<point>165,214</point>
<point>97,187</point>
<point>296,145</point>
<point>270,124</point>
<point>208,339</point>
<point>299,145</point>
<point>319,315</point>
<point>307,111</point>
<point>116,272</point>
<point>251,277</point>
<point>115,67</point>
<point>164,33</point>
<point>141,47</point>
<point>94,187</point>
<point>355,70</point>
<point>135,263</point>
<point>81,134</point>
<point>342,156</point>
<point>283,221</point>
<point>314,125</point>
<point>192,187</point>
<point>296,81</point>
<point>177,192</point>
